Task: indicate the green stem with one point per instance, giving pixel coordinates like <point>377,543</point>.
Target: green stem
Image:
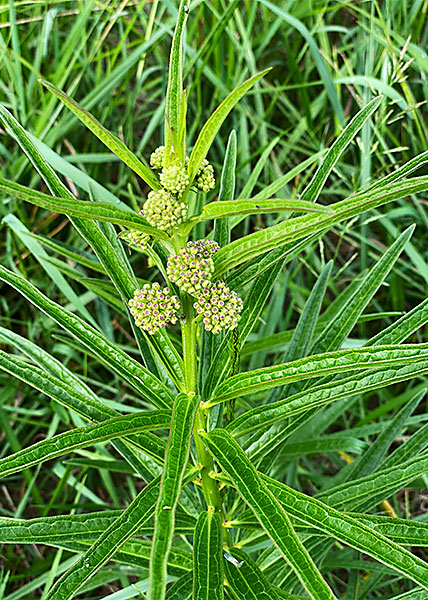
<point>209,486</point>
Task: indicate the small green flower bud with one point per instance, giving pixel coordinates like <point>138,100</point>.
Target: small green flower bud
<point>157,158</point>
<point>174,179</point>
<point>136,239</point>
<point>163,211</point>
<point>219,307</point>
<point>205,180</point>
<point>192,267</point>
<point>152,307</point>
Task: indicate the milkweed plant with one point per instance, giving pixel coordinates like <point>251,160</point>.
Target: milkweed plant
<point>215,517</point>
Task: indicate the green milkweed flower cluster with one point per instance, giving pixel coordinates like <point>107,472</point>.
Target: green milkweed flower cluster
<point>192,267</point>
<point>136,239</point>
<point>153,307</point>
<point>163,211</point>
<point>219,307</point>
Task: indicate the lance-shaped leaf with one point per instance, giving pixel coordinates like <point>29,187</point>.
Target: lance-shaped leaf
<point>79,402</point>
<point>103,247</point>
<point>295,229</point>
<point>246,579</point>
<point>208,557</point>
<point>174,91</point>
<point>312,191</point>
<point>77,527</point>
<point>112,142</point>
<point>109,542</point>
<point>268,511</point>
<point>98,211</point>
<point>129,369</point>
<point>265,415</point>
<point>229,208</point>
<point>349,531</point>
<point>376,357</point>
<point>176,457</point>
<point>83,437</point>
<point>209,130</point>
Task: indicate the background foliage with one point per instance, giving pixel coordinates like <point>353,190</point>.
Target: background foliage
<point>329,60</point>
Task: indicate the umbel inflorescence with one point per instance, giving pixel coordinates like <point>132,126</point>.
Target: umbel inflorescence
<point>191,268</point>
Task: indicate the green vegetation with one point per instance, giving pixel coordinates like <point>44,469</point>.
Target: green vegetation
<point>252,176</point>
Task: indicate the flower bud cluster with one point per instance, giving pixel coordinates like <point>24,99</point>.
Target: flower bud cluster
<point>153,307</point>
<point>157,158</point>
<point>163,211</point>
<point>205,180</point>
<point>219,307</point>
<point>174,178</point>
<point>135,239</point>
<point>192,267</point>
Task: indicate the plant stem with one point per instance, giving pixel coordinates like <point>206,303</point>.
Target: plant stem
<point>209,486</point>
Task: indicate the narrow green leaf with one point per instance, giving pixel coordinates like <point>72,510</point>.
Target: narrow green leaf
<point>217,210</point>
<point>209,130</point>
<point>175,75</point>
<point>246,579</point>
<point>208,557</point>
<point>176,457</point>
<point>112,142</point>
<point>129,369</point>
<point>265,415</point>
<point>376,357</point>
<point>82,437</point>
<point>181,589</point>
<point>109,542</point>
<point>268,511</point>
<point>350,531</point>
<point>83,404</point>
<point>295,229</point>
<point>98,211</point>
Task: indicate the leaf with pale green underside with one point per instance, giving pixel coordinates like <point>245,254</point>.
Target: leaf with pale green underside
<point>312,191</point>
<point>129,369</point>
<point>247,580</point>
<point>295,229</point>
<point>181,589</point>
<point>268,511</point>
<point>176,457</point>
<point>211,127</point>
<point>82,437</point>
<point>208,557</point>
<point>112,142</point>
<point>349,531</point>
<point>98,211</point>
<point>262,416</point>
<point>376,357</point>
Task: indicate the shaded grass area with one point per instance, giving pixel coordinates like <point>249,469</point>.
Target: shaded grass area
<point>328,60</point>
